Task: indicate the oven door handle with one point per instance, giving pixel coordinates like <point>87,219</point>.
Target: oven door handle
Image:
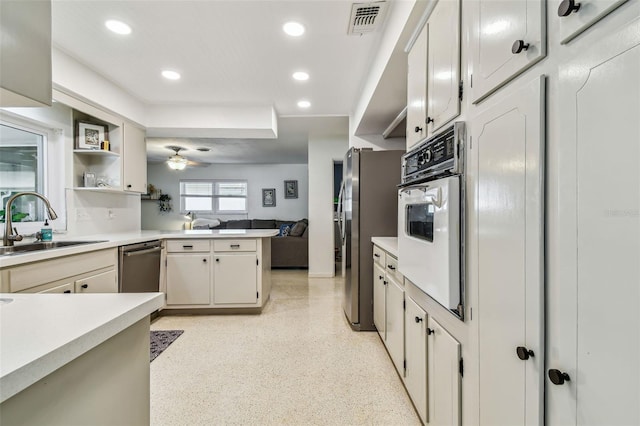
<point>434,196</point>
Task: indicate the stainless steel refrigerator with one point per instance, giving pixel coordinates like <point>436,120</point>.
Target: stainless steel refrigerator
<point>368,206</point>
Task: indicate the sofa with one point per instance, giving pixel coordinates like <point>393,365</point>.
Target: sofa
<point>288,251</point>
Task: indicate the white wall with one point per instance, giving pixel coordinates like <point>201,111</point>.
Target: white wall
<point>323,150</point>
<point>258,176</point>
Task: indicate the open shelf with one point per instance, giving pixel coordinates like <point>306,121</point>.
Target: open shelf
<point>103,189</point>
<point>98,152</point>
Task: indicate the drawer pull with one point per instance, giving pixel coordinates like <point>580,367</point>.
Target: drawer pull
<point>376,255</point>
<point>418,319</point>
<point>67,291</point>
<point>393,268</point>
<point>235,246</point>
<point>85,286</point>
<point>187,247</point>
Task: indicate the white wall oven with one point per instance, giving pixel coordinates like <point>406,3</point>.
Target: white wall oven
<point>430,218</point>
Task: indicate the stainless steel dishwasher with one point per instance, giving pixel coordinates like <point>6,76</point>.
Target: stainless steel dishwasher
<point>140,267</point>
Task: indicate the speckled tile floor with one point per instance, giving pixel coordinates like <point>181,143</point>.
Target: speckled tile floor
<point>298,363</point>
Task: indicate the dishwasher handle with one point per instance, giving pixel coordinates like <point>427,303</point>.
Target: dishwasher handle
<point>139,252</point>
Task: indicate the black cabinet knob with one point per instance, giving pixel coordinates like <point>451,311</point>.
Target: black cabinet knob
<point>67,291</point>
<point>380,277</point>
<point>85,286</point>
<point>418,319</point>
<point>391,267</point>
<point>128,186</point>
<point>217,260</point>
<point>518,46</point>
<point>418,129</point>
<point>204,260</point>
<point>430,330</point>
<point>524,353</point>
<point>429,120</point>
<point>557,377</point>
<point>385,282</point>
<point>566,7</point>
<point>376,255</point>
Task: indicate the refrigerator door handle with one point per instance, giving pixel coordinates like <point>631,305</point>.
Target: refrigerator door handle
<point>339,212</point>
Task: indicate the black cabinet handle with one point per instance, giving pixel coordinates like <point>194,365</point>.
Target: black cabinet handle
<point>128,186</point>
<point>518,46</point>
<point>430,331</point>
<point>204,260</point>
<point>385,282</point>
<point>235,246</point>
<point>67,291</point>
<point>557,377</point>
<point>523,353</point>
<point>418,129</point>
<point>429,120</point>
<point>393,268</point>
<point>187,247</point>
<point>380,277</point>
<point>85,286</point>
<point>217,260</point>
<point>418,319</point>
<point>566,7</point>
<point>376,255</point>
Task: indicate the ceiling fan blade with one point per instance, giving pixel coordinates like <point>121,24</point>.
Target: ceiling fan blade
<point>191,163</point>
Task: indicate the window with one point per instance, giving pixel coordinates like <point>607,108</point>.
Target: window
<point>22,169</point>
<point>213,196</point>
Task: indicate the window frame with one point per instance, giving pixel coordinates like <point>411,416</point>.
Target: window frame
<point>215,197</point>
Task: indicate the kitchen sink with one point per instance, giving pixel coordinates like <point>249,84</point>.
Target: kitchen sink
<point>41,245</point>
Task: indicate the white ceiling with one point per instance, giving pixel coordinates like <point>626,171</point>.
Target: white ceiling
<point>230,53</point>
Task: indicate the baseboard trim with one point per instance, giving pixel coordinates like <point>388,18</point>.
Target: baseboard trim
<point>321,275</point>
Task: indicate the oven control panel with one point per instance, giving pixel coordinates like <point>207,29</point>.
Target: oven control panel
<point>441,154</point>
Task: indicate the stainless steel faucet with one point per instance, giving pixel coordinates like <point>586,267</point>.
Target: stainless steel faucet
<point>9,236</point>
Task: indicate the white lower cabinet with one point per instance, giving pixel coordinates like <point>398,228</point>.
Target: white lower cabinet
<point>103,282</point>
<point>235,278</point>
<point>444,374</point>
<point>379,314</point>
<point>188,279</point>
<point>415,379</point>
<point>395,323</point>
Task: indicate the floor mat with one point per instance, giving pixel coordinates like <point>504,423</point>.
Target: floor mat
<point>161,339</point>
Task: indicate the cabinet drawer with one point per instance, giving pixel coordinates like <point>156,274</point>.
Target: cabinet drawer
<point>379,256</point>
<point>105,282</point>
<point>391,268</point>
<point>188,246</point>
<point>234,245</point>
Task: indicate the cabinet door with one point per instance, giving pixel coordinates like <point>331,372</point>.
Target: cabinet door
<point>104,282</point>
<point>594,334</point>
<point>417,90</point>
<point>508,136</point>
<point>188,279</point>
<point>235,279</point>
<point>498,26</point>
<point>443,75</point>
<point>573,22</point>
<point>415,321</point>
<point>395,323</point>
<point>134,159</point>
<point>444,377</point>
<point>379,317</point>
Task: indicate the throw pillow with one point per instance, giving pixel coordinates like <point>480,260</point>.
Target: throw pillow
<point>285,228</point>
<point>298,229</point>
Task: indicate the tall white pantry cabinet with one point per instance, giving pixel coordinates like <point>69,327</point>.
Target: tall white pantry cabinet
<point>551,101</point>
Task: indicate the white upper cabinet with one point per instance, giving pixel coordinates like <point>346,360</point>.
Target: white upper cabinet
<point>507,37</point>
<point>433,80</point>
<point>509,139</point>
<point>417,90</point>
<point>25,53</point>
<point>576,16</point>
<point>594,374</point>
<point>134,159</point>
<point>443,65</point>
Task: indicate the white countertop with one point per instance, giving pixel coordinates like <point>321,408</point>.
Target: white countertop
<point>121,239</point>
<point>40,333</point>
<point>388,244</point>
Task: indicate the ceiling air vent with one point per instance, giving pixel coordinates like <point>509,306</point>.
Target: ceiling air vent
<point>366,17</point>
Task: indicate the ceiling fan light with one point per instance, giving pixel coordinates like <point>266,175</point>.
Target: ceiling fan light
<point>177,162</point>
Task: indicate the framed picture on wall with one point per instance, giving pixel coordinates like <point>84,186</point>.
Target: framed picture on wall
<point>269,197</point>
<point>90,135</point>
<point>290,189</point>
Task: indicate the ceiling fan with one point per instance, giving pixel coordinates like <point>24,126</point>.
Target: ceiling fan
<point>179,162</point>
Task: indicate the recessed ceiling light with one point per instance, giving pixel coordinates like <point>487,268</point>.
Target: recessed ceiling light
<point>301,76</point>
<point>170,75</point>
<point>294,29</point>
<point>118,27</point>
<point>304,104</point>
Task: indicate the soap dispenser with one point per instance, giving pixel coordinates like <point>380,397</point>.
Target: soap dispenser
<point>46,232</point>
